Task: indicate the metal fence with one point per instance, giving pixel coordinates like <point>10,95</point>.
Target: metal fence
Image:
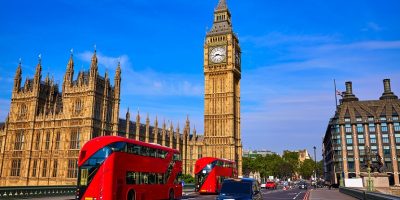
<point>36,191</point>
<point>365,195</point>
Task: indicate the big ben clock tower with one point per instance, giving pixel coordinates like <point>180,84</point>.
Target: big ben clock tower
<point>222,73</point>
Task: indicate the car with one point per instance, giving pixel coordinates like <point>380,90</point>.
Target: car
<point>270,185</point>
<point>302,185</point>
<point>240,189</point>
<point>262,185</point>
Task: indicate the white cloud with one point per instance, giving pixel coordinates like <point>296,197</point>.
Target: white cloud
<point>108,62</point>
<point>372,26</point>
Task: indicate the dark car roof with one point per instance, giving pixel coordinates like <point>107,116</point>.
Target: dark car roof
<point>248,180</point>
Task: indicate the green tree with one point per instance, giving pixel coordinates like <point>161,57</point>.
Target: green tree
<point>188,178</point>
<point>307,168</point>
<point>248,166</point>
<point>293,159</point>
<point>272,165</point>
<point>320,168</point>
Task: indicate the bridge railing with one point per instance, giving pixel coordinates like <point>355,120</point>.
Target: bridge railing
<point>365,195</point>
<point>36,191</point>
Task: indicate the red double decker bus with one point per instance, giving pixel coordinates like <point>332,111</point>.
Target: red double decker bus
<point>211,172</point>
<point>112,167</point>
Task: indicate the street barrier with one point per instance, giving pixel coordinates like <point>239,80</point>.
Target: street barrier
<point>188,187</point>
<point>36,191</point>
<point>365,195</point>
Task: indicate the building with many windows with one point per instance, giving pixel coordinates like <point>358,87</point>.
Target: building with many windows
<point>358,126</point>
<point>45,128</point>
<point>255,153</point>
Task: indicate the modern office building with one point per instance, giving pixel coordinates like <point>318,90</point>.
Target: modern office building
<point>358,126</point>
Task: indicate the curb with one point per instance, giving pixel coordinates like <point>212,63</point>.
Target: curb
<point>307,196</point>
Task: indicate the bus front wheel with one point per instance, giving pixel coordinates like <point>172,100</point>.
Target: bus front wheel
<point>131,195</point>
<point>171,195</point>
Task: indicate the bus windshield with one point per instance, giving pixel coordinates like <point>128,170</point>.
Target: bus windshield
<point>89,168</point>
<point>202,175</point>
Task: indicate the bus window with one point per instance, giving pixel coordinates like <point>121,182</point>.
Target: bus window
<point>144,179</point>
<point>152,152</point>
<point>152,178</point>
<point>84,176</point>
<point>177,157</point>
<point>118,147</point>
<point>134,149</point>
<point>131,178</point>
<point>98,157</point>
<point>178,178</point>
<point>160,179</point>
<point>161,154</point>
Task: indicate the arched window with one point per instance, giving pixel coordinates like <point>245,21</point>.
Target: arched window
<point>23,110</point>
<point>78,106</point>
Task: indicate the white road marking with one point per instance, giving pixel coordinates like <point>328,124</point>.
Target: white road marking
<point>297,195</point>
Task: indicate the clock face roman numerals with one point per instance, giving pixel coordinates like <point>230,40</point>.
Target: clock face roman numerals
<point>218,54</point>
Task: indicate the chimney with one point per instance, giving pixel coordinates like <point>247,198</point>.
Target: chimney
<point>386,85</point>
<point>349,96</point>
<point>349,87</point>
<point>387,91</point>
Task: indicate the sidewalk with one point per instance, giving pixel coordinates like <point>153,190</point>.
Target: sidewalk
<point>327,194</point>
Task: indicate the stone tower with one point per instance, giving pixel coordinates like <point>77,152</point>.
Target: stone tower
<point>222,71</point>
<point>46,127</point>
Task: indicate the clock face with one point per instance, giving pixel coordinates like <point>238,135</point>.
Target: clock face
<point>218,54</point>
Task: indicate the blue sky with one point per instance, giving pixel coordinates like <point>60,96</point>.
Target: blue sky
<point>292,51</point>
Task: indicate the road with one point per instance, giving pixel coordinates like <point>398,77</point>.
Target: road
<point>293,194</point>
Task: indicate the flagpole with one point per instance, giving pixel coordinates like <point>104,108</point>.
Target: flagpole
<point>334,83</point>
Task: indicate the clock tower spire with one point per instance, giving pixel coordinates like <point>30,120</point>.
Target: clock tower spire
<point>222,74</point>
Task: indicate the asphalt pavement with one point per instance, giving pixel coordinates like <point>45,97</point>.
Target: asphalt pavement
<point>279,194</point>
<point>292,194</point>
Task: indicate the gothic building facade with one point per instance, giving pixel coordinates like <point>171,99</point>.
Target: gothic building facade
<point>45,128</point>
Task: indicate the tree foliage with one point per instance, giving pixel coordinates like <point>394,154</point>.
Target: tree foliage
<point>270,165</point>
<point>187,178</point>
<point>283,167</point>
<point>306,169</point>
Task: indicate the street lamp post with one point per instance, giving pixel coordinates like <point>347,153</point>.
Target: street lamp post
<point>315,166</point>
<point>370,183</point>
